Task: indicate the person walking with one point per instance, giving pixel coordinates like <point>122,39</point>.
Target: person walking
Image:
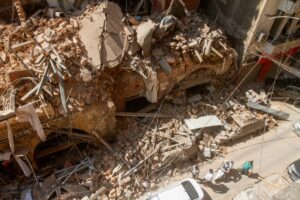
<point>195,171</point>
<point>209,176</point>
<point>247,167</point>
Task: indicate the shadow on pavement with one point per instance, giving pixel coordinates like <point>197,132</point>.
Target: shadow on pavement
<point>234,176</point>
<point>218,188</point>
<point>254,176</point>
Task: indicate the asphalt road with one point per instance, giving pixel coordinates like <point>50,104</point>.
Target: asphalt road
<point>271,152</point>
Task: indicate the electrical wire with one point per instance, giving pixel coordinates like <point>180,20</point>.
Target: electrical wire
<point>271,91</point>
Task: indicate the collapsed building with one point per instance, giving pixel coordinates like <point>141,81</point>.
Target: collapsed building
<point>66,78</point>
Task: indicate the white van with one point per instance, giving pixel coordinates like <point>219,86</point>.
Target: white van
<point>187,189</point>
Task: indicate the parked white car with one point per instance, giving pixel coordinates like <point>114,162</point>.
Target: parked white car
<point>187,189</point>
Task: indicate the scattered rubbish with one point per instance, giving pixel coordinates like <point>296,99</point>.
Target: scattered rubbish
<point>151,115</point>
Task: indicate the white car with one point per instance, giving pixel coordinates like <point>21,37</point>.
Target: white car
<point>187,189</point>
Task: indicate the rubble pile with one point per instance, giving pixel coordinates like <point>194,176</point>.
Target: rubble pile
<point>174,43</point>
<point>57,51</point>
<point>48,52</point>
<point>67,65</point>
<point>148,150</point>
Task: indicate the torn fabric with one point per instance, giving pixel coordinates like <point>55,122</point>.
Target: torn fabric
<point>26,170</point>
<point>151,84</point>
<point>10,137</point>
<point>27,113</point>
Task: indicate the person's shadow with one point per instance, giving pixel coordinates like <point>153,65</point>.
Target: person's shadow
<point>218,188</point>
<point>234,176</point>
<point>254,176</point>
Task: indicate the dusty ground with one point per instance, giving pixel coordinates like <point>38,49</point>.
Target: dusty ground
<point>272,152</point>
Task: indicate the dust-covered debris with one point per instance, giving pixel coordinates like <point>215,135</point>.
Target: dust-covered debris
<point>70,74</point>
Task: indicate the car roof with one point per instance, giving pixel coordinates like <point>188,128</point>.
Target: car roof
<point>177,192</point>
<point>183,190</point>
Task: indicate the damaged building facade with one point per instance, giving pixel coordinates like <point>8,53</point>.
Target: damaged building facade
<point>113,62</point>
<point>265,33</point>
<point>73,71</point>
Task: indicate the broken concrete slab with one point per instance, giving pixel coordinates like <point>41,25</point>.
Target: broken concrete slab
<point>144,36</point>
<point>90,32</point>
<point>248,128</point>
<point>276,113</point>
<point>101,33</point>
<point>203,122</point>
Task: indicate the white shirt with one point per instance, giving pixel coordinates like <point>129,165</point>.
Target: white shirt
<point>209,176</point>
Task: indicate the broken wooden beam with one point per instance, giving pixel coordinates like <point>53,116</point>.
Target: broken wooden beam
<point>31,92</point>
<point>99,192</point>
<point>22,44</point>
<point>103,142</point>
<point>198,55</point>
<point>149,115</point>
<point>23,63</point>
<point>43,80</point>
<point>276,113</point>
<point>62,93</point>
<point>217,52</point>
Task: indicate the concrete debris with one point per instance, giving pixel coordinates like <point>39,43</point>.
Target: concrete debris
<point>27,113</point>
<point>151,84</point>
<point>203,122</point>
<point>253,97</point>
<point>144,36</point>
<point>276,113</point>
<point>168,25</point>
<point>101,33</point>
<point>72,77</point>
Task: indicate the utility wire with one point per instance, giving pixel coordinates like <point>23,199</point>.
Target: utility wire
<point>270,97</point>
